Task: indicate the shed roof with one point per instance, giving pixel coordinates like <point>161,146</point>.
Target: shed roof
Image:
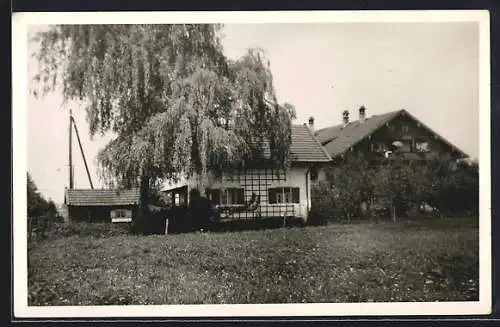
<point>101,197</point>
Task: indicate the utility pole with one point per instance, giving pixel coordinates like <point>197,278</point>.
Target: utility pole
<point>83,155</point>
<point>70,158</point>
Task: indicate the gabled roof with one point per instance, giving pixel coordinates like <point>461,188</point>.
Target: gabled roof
<point>102,197</point>
<point>305,147</point>
<point>338,139</point>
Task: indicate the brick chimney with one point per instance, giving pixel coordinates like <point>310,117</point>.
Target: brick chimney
<point>362,114</point>
<point>311,123</point>
<point>345,117</point>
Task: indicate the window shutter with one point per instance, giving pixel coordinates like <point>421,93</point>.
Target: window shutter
<point>272,195</point>
<point>240,196</point>
<point>223,197</point>
<point>287,194</point>
<point>295,195</point>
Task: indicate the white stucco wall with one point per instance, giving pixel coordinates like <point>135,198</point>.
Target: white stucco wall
<point>296,177</point>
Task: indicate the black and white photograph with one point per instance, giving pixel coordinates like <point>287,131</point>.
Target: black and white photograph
<point>240,164</point>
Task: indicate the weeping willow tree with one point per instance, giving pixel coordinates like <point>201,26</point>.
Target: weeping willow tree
<point>176,104</point>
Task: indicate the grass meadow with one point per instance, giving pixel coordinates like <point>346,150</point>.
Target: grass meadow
<point>432,260</point>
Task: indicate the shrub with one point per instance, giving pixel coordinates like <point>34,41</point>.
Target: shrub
<point>88,229</point>
<point>451,188</point>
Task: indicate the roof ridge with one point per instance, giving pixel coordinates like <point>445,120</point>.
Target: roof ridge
<point>388,116</point>
<point>435,133</point>
<point>357,120</point>
<point>338,139</point>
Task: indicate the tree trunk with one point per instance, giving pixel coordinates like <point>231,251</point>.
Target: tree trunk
<point>141,221</point>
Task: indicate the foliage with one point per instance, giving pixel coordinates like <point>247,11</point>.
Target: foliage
<point>456,191</point>
<point>37,205</point>
<point>343,191</point>
<point>433,260</point>
<point>452,188</point>
<point>176,104</point>
<point>84,229</point>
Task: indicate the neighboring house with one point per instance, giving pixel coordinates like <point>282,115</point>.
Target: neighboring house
<point>104,205</point>
<point>261,191</point>
<point>380,136</point>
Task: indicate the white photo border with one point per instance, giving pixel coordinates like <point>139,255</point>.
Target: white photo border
<point>20,23</point>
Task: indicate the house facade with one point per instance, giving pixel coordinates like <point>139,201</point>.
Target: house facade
<point>261,191</point>
<point>101,205</point>
<point>379,137</point>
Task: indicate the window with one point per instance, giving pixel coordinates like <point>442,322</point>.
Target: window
<point>284,195</point>
<point>422,146</point>
<point>402,145</point>
<point>227,196</point>
<point>404,128</point>
<point>121,215</point>
<point>381,147</point>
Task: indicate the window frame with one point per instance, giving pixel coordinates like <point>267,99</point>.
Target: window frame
<point>121,215</point>
<point>228,196</point>
<point>419,149</point>
<point>381,147</point>
<point>284,195</point>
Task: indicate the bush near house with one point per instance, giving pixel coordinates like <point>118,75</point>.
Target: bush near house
<point>61,230</point>
<point>438,187</point>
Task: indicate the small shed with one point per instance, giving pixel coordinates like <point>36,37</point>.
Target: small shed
<point>102,205</point>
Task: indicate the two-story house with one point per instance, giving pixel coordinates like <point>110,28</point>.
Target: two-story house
<point>381,136</point>
<point>261,191</point>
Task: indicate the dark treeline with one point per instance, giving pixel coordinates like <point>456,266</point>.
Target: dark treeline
<point>37,205</point>
<point>394,188</point>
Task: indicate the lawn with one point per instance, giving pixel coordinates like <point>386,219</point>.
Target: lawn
<point>419,261</point>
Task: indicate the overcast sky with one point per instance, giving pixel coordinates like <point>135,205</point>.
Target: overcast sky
<point>429,69</point>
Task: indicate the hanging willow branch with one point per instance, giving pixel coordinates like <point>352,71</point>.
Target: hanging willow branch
<point>175,102</point>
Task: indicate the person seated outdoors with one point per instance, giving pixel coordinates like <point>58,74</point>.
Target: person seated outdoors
<point>253,203</point>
